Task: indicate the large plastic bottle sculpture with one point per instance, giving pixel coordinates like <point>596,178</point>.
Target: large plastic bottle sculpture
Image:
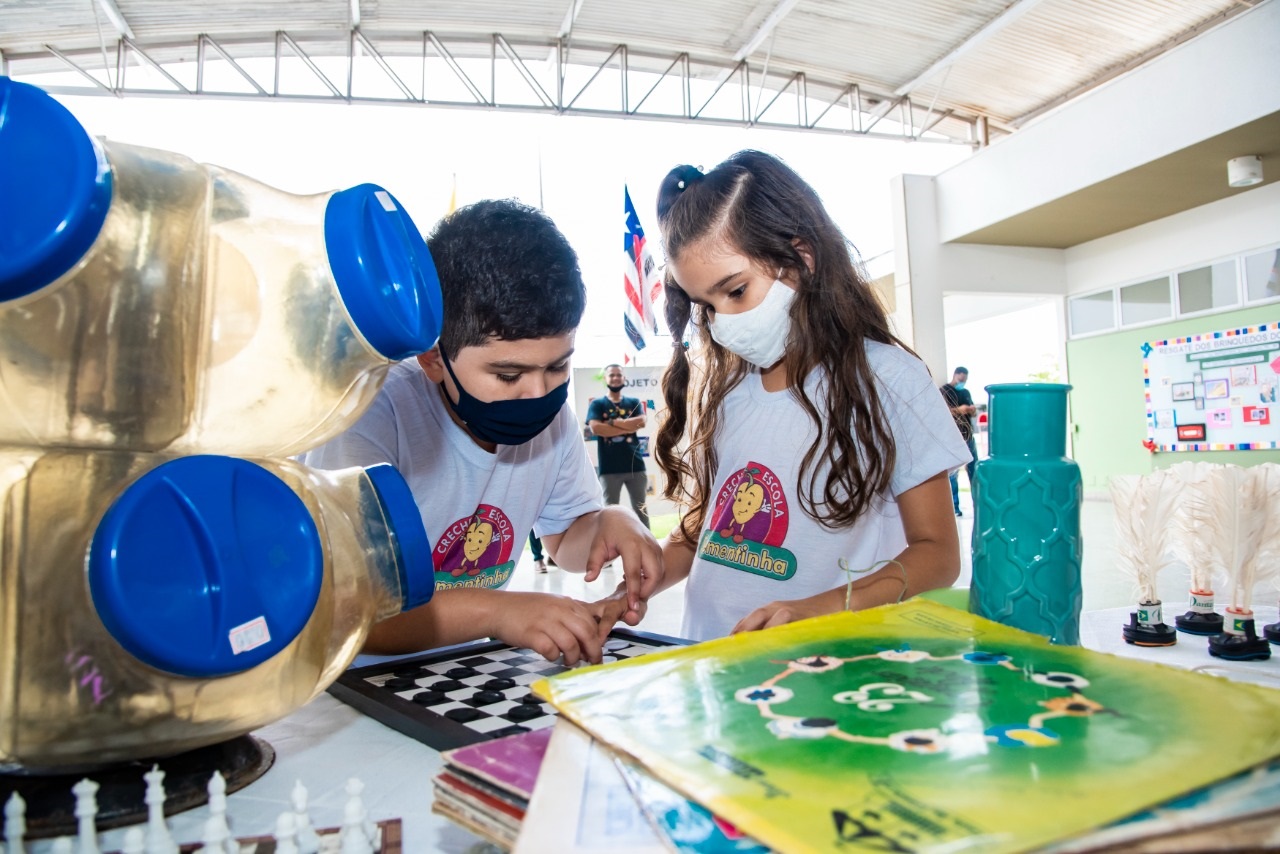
<point>169,333</point>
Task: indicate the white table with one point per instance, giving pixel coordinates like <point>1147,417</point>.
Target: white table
<point>326,742</point>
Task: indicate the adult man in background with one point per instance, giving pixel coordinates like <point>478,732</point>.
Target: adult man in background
<point>614,420</point>
<point>960,402</point>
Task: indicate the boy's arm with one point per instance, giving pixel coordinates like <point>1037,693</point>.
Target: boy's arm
<point>550,625</point>
<point>930,560</point>
<point>593,539</point>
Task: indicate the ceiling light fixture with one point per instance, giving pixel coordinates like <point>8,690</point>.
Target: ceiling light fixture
<point>1244,171</point>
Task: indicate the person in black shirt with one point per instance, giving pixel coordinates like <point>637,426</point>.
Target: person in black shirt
<point>614,420</point>
<point>960,402</point>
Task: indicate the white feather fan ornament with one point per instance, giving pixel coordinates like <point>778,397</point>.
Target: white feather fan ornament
<point>1197,536</point>
<point>1258,555</point>
<point>1144,508</point>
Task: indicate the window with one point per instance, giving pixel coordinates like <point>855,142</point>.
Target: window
<point>1262,275</point>
<point>1145,302</point>
<point>1207,288</point>
<point>1093,313</point>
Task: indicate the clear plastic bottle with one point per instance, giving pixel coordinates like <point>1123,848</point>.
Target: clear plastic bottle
<point>152,605</point>
<point>153,303</point>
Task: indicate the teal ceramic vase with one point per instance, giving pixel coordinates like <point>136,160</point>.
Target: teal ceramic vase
<point>1026,527</point>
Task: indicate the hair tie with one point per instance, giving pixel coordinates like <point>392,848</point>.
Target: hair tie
<point>689,176</point>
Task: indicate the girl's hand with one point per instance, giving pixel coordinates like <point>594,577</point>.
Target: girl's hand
<point>612,608</point>
<point>782,612</point>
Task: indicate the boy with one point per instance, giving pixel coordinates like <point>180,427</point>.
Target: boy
<point>479,428</point>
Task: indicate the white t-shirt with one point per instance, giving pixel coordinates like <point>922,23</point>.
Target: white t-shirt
<point>478,507</point>
<point>758,545</point>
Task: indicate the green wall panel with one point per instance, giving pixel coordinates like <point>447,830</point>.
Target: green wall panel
<point>1108,412</point>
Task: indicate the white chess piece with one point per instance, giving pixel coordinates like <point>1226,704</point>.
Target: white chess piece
<point>286,834</point>
<point>135,841</point>
<point>355,838</point>
<point>159,840</point>
<point>218,811</point>
<point>15,823</point>
<point>216,835</point>
<point>308,839</point>
<point>86,792</point>
<point>355,790</point>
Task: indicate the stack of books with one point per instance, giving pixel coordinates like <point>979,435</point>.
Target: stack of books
<point>486,787</point>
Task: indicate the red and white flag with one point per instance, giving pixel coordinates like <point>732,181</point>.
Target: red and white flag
<point>642,281</point>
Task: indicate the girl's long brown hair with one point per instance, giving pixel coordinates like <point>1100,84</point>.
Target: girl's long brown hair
<point>760,207</point>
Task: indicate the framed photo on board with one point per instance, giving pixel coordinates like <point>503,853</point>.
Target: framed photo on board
<point>1184,391</point>
<point>1217,389</point>
<point>1191,432</point>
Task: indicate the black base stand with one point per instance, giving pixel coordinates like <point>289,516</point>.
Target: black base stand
<point>1159,634</point>
<point>1199,623</point>
<point>1246,647</point>
<point>51,805</point>
<point>1271,632</point>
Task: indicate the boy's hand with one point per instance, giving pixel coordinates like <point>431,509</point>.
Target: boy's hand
<point>619,534</point>
<point>613,608</point>
<point>551,626</point>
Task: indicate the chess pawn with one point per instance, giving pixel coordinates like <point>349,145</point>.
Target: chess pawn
<point>308,839</point>
<point>86,814</point>
<point>355,790</point>
<point>216,835</point>
<point>354,839</point>
<point>15,824</point>
<point>286,834</point>
<point>159,840</point>
<point>135,841</point>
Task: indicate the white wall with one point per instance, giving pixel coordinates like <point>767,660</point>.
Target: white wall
<point>1213,83</point>
<point>928,269</point>
<point>1227,227</point>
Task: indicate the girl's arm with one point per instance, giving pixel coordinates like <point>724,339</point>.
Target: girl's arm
<point>930,560</point>
<point>677,561</point>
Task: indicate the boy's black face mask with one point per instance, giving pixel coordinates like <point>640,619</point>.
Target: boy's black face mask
<point>505,422</point>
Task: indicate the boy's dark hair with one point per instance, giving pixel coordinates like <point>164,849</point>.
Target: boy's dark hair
<point>505,272</point>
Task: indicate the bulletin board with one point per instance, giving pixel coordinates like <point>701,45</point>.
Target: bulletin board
<point>1214,392</point>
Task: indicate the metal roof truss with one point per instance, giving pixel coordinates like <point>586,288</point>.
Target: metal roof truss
<point>492,72</point>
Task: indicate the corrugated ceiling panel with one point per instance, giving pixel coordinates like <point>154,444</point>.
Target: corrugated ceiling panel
<point>1059,46</point>
<point>524,18</point>
<point>878,44</point>
<point>155,20</point>
<point>708,28</point>
<point>1049,51</point>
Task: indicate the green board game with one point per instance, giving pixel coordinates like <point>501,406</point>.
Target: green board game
<point>917,727</point>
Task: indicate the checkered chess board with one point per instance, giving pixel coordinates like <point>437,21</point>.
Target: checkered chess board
<point>468,693</point>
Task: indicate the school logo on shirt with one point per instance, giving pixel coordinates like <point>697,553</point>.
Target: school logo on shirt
<point>749,524</point>
<point>475,551</point>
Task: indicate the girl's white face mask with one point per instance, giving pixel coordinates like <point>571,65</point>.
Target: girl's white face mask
<point>758,334</point>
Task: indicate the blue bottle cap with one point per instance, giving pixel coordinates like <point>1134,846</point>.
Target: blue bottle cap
<point>55,184</point>
<point>417,573</point>
<point>384,271</point>
<point>206,566</point>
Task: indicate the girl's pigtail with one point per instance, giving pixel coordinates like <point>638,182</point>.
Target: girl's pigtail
<point>675,392</point>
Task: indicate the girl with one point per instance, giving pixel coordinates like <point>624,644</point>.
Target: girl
<point>813,441</point>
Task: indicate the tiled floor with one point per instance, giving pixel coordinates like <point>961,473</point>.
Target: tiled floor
<point>1104,585</point>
